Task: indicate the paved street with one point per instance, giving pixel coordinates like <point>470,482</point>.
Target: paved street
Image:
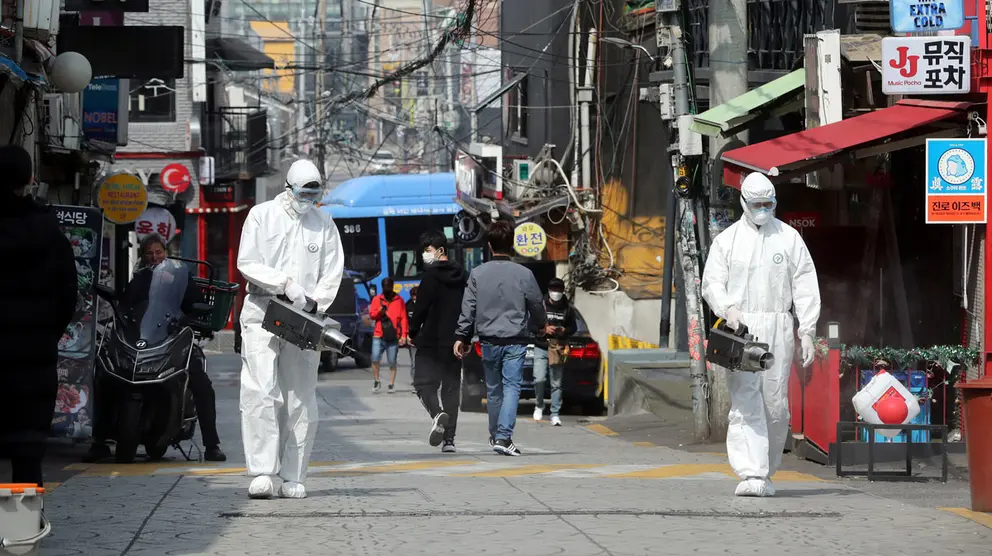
<point>378,488</point>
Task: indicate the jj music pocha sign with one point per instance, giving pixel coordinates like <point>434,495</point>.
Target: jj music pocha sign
<point>921,16</point>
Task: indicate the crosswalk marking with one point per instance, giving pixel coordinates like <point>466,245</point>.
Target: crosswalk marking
<point>494,467</point>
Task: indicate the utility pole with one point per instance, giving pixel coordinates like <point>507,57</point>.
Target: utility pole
<point>321,59</point>
<point>728,66</point>
<point>429,150</point>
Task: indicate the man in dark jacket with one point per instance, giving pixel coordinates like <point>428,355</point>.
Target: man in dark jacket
<point>548,349</point>
<point>38,296</point>
<point>432,327</point>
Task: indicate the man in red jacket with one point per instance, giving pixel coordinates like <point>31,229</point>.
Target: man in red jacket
<point>392,330</point>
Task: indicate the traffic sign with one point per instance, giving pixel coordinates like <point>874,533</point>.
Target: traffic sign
<point>175,178</point>
<point>122,197</point>
<point>529,239</point>
<point>155,220</point>
<point>956,174</point>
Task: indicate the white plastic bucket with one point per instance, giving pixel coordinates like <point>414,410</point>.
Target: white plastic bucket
<point>882,385</point>
<point>22,519</point>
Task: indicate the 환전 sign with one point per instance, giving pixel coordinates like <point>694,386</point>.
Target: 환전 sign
<point>529,239</point>
<point>916,16</point>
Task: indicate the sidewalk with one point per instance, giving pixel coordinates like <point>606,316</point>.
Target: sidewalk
<point>376,487</point>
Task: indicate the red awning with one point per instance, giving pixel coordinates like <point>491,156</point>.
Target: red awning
<point>791,153</point>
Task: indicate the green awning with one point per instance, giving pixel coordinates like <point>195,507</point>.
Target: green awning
<point>778,96</point>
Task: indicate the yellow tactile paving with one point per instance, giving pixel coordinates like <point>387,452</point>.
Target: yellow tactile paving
<point>601,429</point>
<point>527,470</point>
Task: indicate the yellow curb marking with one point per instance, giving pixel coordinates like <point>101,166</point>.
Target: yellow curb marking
<point>391,467</point>
<point>980,518</point>
<point>601,429</point>
<point>644,444</point>
<point>527,470</point>
<point>691,469</point>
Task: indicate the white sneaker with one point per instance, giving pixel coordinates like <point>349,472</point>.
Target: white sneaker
<point>292,490</point>
<point>555,421</point>
<point>752,487</point>
<point>538,413</point>
<point>261,487</point>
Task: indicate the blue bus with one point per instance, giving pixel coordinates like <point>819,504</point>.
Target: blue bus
<point>380,219</point>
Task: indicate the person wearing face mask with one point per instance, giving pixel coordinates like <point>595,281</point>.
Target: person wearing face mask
<point>154,255</point>
<point>549,345</point>
<point>432,327</point>
<point>758,270</point>
<point>288,248</point>
<point>388,310</point>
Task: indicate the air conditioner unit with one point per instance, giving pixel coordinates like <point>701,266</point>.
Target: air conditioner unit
<point>519,176</point>
<point>54,118</point>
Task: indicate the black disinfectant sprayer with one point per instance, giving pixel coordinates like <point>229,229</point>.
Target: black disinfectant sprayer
<point>304,328</point>
<point>737,350</point>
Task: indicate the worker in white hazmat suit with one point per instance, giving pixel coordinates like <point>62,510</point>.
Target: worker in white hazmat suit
<point>290,248</point>
<point>757,270</point>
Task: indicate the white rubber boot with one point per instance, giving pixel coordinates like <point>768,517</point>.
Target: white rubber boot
<point>261,487</point>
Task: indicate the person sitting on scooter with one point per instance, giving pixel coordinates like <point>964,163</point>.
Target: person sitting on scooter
<point>153,252</point>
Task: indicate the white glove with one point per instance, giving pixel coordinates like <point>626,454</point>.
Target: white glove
<point>296,294</point>
<point>734,317</point>
<point>809,352</point>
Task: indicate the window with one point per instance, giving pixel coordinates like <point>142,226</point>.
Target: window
<point>403,243</point>
<point>360,239</point>
<point>517,106</point>
<point>153,101</point>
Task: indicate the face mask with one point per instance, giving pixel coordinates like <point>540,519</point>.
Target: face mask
<point>556,296</point>
<point>301,207</point>
<point>429,257</point>
<point>761,216</point>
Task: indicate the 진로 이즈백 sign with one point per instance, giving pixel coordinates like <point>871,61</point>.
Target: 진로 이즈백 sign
<point>926,65</point>
<point>956,175</point>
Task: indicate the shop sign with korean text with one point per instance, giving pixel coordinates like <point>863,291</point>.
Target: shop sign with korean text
<point>926,65</point>
<point>956,174</point>
<point>83,227</point>
<point>529,239</point>
<point>923,16</point>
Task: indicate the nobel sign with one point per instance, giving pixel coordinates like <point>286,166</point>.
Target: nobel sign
<point>915,16</point>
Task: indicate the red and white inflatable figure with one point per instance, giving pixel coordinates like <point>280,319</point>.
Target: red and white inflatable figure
<point>886,401</point>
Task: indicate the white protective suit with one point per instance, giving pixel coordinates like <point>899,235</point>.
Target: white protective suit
<point>762,272</point>
<point>283,241</point>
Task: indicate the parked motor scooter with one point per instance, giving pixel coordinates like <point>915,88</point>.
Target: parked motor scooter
<point>142,367</point>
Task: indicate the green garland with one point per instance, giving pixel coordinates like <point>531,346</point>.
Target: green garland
<point>954,359</point>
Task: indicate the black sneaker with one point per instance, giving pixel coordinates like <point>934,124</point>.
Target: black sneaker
<point>506,447</point>
<point>376,386</point>
<point>448,446</point>
<point>437,429</point>
<point>214,453</point>
<point>492,441</point>
<point>391,388</point>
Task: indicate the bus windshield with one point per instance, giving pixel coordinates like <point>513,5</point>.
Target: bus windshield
<point>360,239</point>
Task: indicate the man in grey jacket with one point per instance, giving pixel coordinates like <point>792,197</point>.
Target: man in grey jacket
<point>503,304</point>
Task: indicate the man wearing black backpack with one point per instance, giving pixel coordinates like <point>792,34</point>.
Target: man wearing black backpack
<point>391,331</point>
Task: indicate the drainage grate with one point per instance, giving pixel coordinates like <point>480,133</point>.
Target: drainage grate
<point>538,513</point>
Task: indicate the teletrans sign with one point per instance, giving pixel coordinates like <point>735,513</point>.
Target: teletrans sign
<point>921,16</point>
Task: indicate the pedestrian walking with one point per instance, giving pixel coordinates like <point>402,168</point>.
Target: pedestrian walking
<point>38,295</point>
<point>391,332</point>
<point>432,328</point>
<point>291,249</point>
<point>409,345</point>
<point>551,349</point>
<point>502,304</point>
<point>758,273</point>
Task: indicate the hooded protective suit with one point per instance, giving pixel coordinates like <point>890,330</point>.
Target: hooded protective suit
<point>756,273</point>
<point>286,244</point>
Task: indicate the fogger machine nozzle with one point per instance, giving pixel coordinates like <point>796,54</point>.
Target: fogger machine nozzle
<point>304,328</point>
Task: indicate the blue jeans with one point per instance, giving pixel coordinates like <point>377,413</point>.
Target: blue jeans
<point>391,349</point>
<point>503,366</point>
<point>541,375</point>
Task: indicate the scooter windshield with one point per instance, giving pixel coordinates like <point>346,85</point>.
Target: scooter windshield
<point>165,300</point>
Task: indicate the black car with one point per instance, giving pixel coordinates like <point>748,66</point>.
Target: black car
<point>581,381</point>
<point>351,310</point>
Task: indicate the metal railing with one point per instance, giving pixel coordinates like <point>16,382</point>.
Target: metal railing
<point>239,142</point>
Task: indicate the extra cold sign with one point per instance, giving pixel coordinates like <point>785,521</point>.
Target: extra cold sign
<point>914,16</point>
<point>956,174</point>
